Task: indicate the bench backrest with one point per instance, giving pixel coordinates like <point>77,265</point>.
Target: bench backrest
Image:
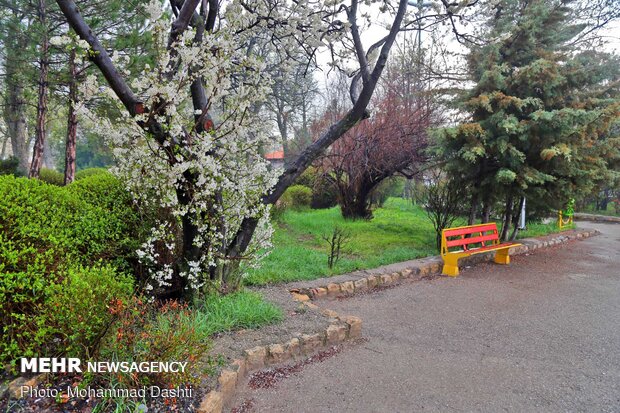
<point>469,236</point>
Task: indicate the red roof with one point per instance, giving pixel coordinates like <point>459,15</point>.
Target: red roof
<point>275,155</point>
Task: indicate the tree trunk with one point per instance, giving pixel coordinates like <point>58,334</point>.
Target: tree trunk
<point>5,142</point>
<point>37,154</point>
<point>70,147</point>
<point>282,121</point>
<point>473,209</point>
<point>515,230</point>
<point>356,208</point>
<point>15,103</point>
<point>356,200</point>
<point>48,158</point>
<point>486,211</point>
<point>507,217</point>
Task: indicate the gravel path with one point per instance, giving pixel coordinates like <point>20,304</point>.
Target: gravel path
<point>542,334</point>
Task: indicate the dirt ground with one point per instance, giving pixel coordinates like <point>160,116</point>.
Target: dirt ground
<point>542,334</point>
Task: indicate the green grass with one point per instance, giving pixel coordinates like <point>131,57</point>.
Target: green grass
<point>398,232</point>
<point>243,309</point>
<point>540,229</point>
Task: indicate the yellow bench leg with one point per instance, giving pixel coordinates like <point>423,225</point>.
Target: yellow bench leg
<point>502,257</point>
<point>450,267</point>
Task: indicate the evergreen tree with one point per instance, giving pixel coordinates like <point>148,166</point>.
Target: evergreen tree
<point>540,112</point>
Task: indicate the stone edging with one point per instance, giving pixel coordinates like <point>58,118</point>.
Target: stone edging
<point>341,328</point>
<point>595,218</point>
<point>428,266</point>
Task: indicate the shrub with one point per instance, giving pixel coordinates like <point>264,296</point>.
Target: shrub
<point>10,166</point>
<point>61,313</point>
<point>81,223</point>
<point>443,203</point>
<point>300,196</point>
<point>324,194</point>
<point>85,173</point>
<point>50,236</point>
<point>308,178</point>
<point>52,177</point>
<point>145,333</point>
<point>296,197</point>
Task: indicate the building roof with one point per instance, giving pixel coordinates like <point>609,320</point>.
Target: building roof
<point>275,155</point>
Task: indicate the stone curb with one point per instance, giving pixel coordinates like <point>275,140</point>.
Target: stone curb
<point>427,266</point>
<point>580,216</point>
<point>340,329</point>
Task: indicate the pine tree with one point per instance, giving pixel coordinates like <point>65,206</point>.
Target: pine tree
<point>540,111</point>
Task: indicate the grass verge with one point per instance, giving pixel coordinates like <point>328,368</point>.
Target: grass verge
<point>243,309</point>
<point>540,229</point>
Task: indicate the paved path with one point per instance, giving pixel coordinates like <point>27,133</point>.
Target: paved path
<point>542,335</point>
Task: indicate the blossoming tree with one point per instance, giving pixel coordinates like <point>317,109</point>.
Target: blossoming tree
<point>189,132</point>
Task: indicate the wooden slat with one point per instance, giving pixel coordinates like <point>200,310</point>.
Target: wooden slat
<point>453,232</point>
<point>472,240</point>
<point>494,247</point>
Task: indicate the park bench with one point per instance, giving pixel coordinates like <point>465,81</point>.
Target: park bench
<point>471,240</point>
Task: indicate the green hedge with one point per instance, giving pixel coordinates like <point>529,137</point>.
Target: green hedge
<point>85,173</point>
<point>52,177</point>
<point>58,246</point>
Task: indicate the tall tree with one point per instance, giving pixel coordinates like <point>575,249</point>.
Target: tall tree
<point>43,90</point>
<point>292,95</point>
<point>13,36</point>
<point>540,110</point>
<point>202,159</point>
<point>390,142</point>
<point>70,143</point>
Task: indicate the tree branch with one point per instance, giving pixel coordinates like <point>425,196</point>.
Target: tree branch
<point>101,58</point>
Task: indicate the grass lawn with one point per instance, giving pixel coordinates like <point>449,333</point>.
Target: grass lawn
<point>398,232</point>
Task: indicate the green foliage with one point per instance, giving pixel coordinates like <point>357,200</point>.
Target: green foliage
<point>9,166</point>
<point>174,331</point>
<point>57,314</point>
<point>49,239</point>
<point>324,194</point>
<point>300,196</point>
<point>144,333</point>
<point>542,111</point>
<point>242,309</point>
<point>390,187</point>
<point>537,229</point>
<point>85,173</point>
<point>308,178</point>
<point>52,177</point>
<point>296,197</point>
